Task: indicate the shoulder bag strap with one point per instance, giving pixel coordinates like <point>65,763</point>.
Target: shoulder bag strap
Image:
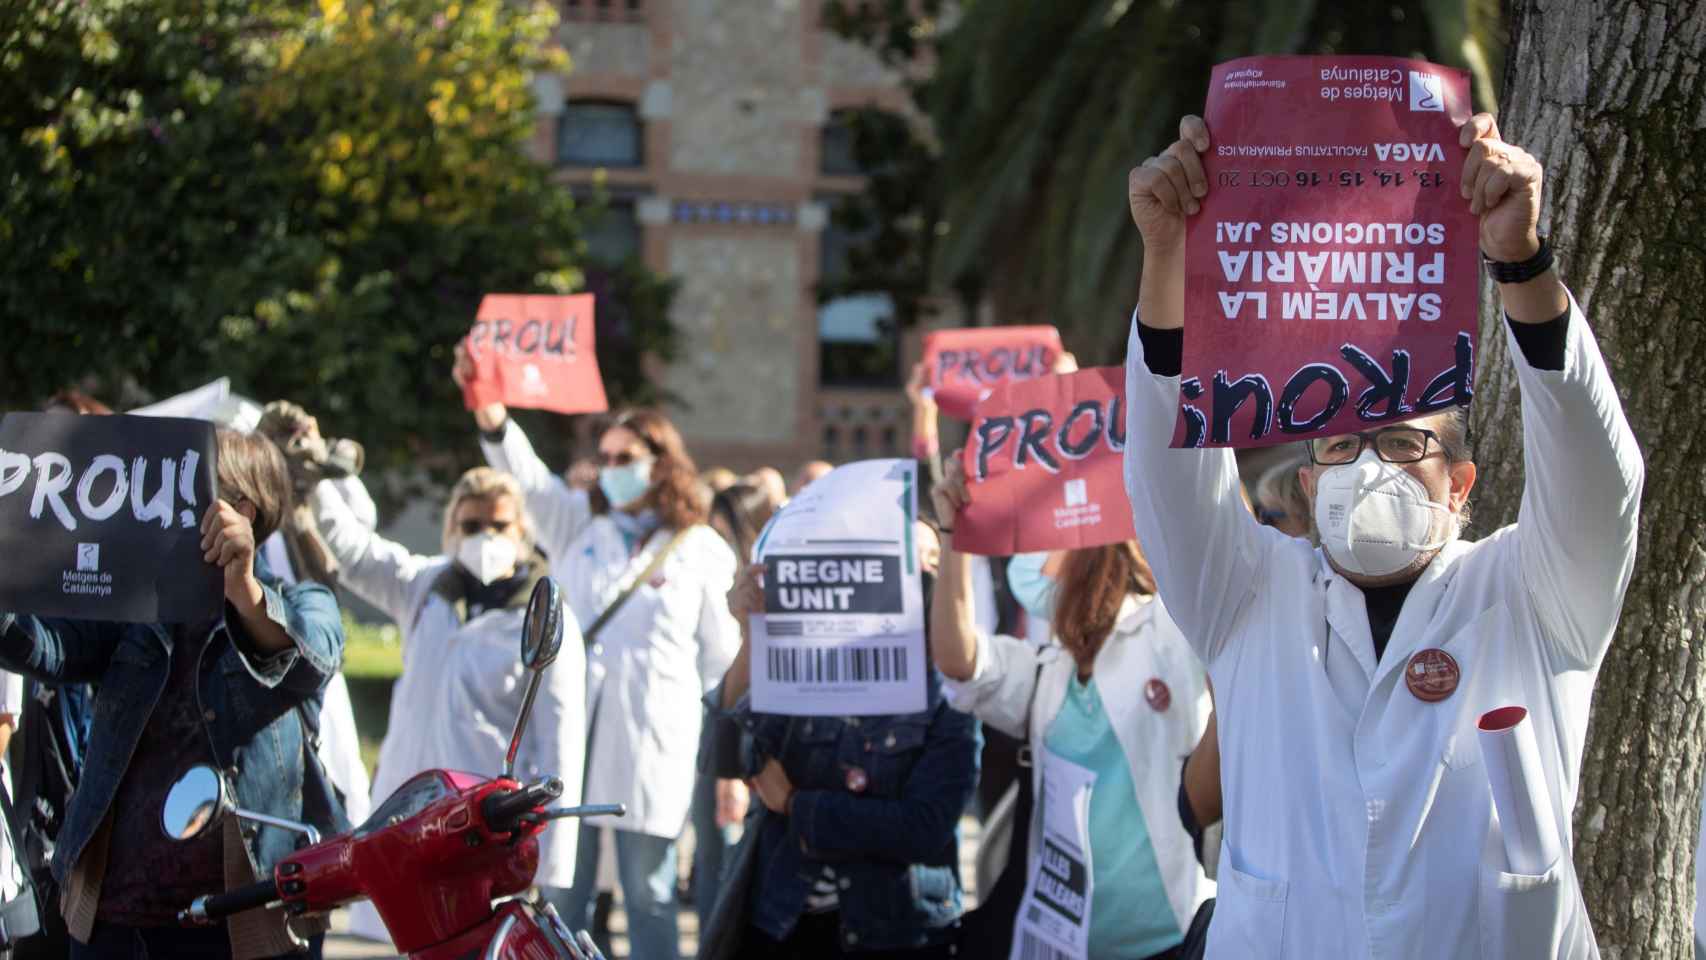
<point>591,632</point>
<point>1025,747</point>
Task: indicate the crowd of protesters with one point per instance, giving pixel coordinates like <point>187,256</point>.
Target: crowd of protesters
<point>1236,662</point>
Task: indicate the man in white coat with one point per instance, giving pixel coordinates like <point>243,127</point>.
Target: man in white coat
<point>1349,679</point>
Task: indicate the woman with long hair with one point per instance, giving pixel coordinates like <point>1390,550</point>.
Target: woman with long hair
<point>1110,710</point>
<point>648,582</point>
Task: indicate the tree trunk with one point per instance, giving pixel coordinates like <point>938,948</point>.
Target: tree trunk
<point>1609,94</point>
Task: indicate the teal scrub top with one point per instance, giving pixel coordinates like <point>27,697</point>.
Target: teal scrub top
<point>1130,915</point>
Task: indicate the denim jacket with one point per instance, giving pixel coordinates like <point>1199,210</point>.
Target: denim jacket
<point>894,844</point>
<point>250,709</point>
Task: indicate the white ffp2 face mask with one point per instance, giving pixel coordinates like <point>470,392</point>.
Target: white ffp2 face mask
<point>488,556</point>
<point>1374,518</point>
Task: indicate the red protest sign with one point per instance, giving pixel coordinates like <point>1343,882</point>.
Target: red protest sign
<point>964,365</point>
<point>1331,277</point>
<point>535,351</point>
<point>1044,466</point>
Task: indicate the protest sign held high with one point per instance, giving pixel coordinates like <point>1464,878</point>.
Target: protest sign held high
<point>842,631</point>
<point>1331,277</point>
<point>1044,466</point>
<point>535,352</point>
<point>963,366</point>
<point>100,518</point>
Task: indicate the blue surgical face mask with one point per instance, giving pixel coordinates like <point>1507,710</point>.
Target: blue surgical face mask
<point>625,484</point>
<point>1033,588</point>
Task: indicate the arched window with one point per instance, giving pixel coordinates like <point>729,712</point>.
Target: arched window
<point>600,134</point>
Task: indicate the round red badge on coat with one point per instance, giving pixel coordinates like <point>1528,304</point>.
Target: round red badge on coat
<point>857,779</point>
<point>1432,675</point>
<point>1156,692</point>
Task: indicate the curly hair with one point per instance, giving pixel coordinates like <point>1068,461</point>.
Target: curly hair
<point>1092,587</point>
<point>674,494</point>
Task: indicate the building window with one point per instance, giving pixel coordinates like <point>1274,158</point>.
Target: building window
<point>595,134</point>
<point>614,235</point>
<point>631,11</point>
<point>837,157</point>
<point>858,342</point>
<point>858,336</point>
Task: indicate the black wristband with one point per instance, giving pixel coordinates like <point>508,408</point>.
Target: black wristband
<point>1522,271</point>
<point>495,436</point>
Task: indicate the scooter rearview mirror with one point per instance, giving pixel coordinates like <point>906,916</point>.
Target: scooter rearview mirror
<point>542,629</point>
<point>194,803</point>
<point>541,638</point>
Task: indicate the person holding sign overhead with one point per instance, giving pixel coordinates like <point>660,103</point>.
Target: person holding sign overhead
<point>1109,711</point>
<point>648,582</point>
<point>234,691</point>
<point>1358,816</point>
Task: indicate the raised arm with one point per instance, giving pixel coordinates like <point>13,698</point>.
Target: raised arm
<point>1201,542</point>
<point>953,607</point>
<point>559,512</point>
<point>1583,471</point>
<point>986,675</point>
<point>376,569</point>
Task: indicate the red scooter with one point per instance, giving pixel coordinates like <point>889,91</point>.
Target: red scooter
<point>444,858</point>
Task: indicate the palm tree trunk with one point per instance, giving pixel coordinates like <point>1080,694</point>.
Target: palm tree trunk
<point>1609,94</point>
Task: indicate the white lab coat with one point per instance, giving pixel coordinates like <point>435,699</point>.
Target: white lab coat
<point>1145,645</point>
<point>456,702</point>
<point>653,661</point>
<point>340,743</point>
<point>1358,819</point>
<point>12,705</point>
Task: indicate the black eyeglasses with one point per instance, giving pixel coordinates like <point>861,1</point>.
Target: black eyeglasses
<point>473,528</point>
<point>1393,444</point>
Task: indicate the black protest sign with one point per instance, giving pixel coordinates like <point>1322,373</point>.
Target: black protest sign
<point>833,583</point>
<point>100,517</point>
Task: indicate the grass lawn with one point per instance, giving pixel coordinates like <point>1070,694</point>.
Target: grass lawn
<point>373,658</point>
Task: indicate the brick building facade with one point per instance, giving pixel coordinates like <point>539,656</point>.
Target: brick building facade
<point>712,126</point>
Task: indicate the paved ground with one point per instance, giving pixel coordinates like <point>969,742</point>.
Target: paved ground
<point>341,946</point>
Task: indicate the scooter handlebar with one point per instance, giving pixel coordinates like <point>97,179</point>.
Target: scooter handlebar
<point>217,906</point>
<point>503,809</point>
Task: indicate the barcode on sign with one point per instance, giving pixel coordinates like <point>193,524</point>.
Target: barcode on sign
<point>836,665</point>
<point>1033,948</point>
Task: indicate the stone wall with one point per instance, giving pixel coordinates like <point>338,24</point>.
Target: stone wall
<point>736,72</point>
<point>738,370</point>
<point>614,49</point>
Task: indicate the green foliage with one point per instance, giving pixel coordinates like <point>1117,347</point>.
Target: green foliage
<point>371,651</point>
<point>1038,110</point>
<point>310,199</point>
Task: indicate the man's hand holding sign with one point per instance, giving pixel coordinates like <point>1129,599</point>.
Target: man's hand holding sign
<point>1351,679</point>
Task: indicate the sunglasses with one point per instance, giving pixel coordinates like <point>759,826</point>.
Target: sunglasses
<point>473,528</point>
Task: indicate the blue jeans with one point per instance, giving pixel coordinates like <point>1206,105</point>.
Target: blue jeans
<point>710,847</point>
<point>645,865</point>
